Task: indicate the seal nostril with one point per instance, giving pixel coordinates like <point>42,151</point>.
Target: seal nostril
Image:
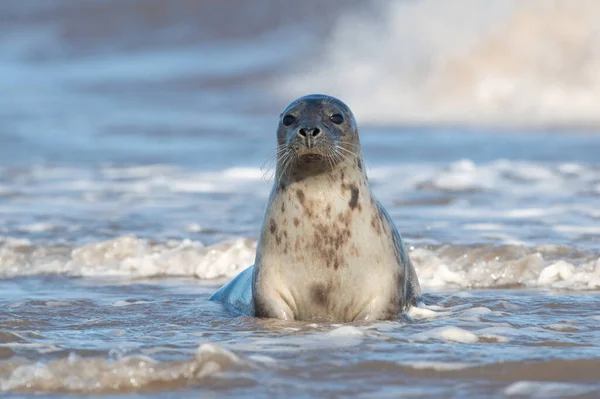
<point>316,132</point>
<point>302,132</point>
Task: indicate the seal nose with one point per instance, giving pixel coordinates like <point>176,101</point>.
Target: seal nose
<point>309,132</point>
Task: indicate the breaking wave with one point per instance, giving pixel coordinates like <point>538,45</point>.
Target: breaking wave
<point>504,62</point>
<point>445,266</point>
<point>130,374</point>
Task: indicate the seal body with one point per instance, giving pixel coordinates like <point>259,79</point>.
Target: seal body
<point>327,248</point>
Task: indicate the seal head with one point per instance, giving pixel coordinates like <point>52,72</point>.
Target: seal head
<point>315,133</point>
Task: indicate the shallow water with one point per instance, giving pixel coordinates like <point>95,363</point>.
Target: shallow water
<point>99,335</point>
<point>131,188</point>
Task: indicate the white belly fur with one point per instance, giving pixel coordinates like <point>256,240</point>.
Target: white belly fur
<point>327,252</point>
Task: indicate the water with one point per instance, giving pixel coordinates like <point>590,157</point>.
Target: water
<point>132,139</point>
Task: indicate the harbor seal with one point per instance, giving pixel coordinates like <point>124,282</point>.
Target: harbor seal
<point>327,249</point>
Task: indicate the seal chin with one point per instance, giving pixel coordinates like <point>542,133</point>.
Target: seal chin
<point>311,157</point>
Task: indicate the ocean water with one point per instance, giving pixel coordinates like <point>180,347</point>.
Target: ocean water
<point>134,146</point>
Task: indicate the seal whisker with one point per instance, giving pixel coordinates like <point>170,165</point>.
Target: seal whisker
<point>339,147</point>
<point>333,160</point>
<point>273,154</point>
<point>267,166</point>
<point>349,157</point>
<point>287,159</point>
<point>282,165</point>
<point>352,145</point>
<point>345,160</point>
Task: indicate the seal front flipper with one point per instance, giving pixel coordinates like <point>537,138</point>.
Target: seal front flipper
<point>237,294</point>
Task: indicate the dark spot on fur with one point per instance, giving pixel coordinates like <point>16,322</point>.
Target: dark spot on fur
<point>287,245</point>
<point>359,164</point>
<point>300,195</point>
<point>282,186</point>
<point>328,211</point>
<point>329,239</point>
<point>273,230</point>
<point>345,218</point>
<point>308,206</point>
<point>320,293</point>
<point>282,207</point>
<point>353,197</point>
<point>296,222</point>
<point>376,223</point>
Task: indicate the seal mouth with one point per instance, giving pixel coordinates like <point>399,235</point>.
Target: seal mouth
<point>311,154</point>
<point>311,157</point>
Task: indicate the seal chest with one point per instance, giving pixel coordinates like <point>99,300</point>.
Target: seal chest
<point>322,257</point>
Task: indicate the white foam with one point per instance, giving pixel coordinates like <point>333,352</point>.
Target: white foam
<point>193,228</point>
<point>120,304</point>
<point>450,333</point>
<point>131,256</point>
<point>37,227</point>
<point>474,314</point>
<point>578,230</point>
<point>346,331</point>
<point>558,271</point>
<point>535,389</point>
<point>419,313</point>
<point>128,374</point>
<point>299,341</point>
<point>447,266</point>
<point>438,366</point>
<point>498,330</point>
<point>478,269</point>
<point>563,327</point>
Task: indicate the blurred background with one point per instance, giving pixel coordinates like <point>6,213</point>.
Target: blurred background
<point>87,79</point>
<point>152,118</point>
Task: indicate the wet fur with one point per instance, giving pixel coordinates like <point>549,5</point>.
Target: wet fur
<point>327,248</point>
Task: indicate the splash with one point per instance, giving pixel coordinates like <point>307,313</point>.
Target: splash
<point>502,62</point>
<point>442,266</point>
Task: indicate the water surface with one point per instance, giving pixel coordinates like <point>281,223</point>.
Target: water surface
<point>133,181</point>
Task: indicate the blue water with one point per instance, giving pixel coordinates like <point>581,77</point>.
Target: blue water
<point>134,147</point>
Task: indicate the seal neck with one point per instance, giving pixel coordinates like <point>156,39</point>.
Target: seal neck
<point>322,173</point>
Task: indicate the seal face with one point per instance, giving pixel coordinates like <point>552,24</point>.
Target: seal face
<point>327,248</point>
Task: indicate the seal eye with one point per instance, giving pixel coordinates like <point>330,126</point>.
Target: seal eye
<point>288,120</point>
<point>337,119</point>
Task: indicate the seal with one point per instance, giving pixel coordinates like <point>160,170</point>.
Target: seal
<point>327,250</point>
